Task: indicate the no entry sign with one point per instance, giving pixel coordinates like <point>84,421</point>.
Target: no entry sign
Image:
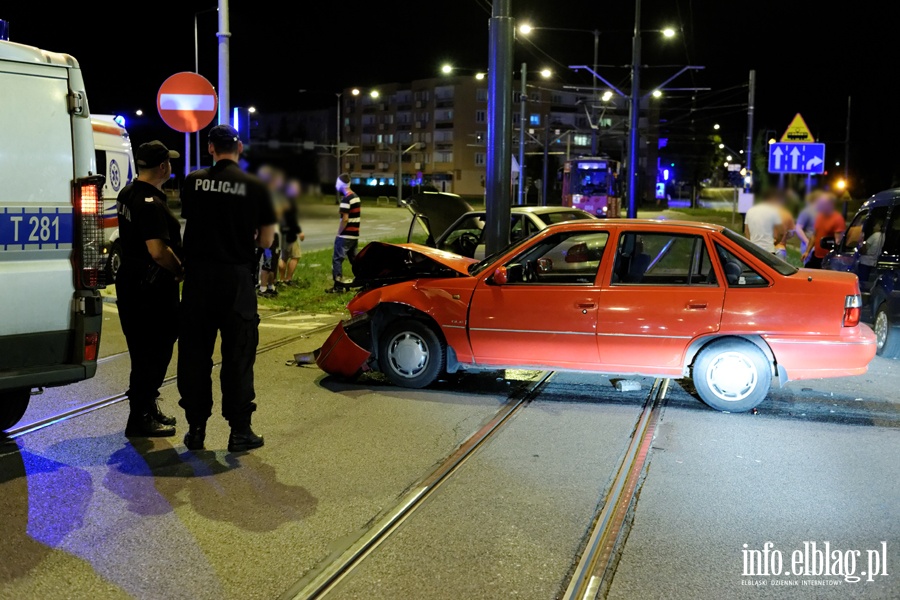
<point>187,102</point>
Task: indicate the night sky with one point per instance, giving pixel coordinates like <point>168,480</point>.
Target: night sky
<point>808,57</point>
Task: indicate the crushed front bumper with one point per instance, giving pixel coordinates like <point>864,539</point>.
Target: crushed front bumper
<point>341,356</point>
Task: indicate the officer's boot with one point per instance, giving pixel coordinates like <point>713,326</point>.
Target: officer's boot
<point>242,439</point>
<point>141,422</point>
<point>159,415</point>
<point>195,437</point>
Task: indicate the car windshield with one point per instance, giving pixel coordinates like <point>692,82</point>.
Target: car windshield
<point>552,218</point>
<point>769,259</point>
<point>481,266</point>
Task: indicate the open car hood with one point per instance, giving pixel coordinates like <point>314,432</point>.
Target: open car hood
<point>440,210</point>
<point>380,263</point>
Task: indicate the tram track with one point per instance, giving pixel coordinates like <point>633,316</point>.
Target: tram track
<point>592,568</point>
<point>101,403</point>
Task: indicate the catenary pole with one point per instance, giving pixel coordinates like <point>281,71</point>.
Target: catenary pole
<point>634,114</point>
<point>499,152</point>
<point>523,105</point>
<point>594,136</point>
<point>224,36</point>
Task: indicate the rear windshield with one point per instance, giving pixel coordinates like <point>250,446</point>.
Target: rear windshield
<point>769,259</point>
<point>552,218</point>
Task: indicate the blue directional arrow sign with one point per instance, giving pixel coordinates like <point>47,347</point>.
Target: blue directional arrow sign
<point>805,159</point>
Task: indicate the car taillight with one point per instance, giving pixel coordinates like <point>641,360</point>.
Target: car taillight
<point>91,343</point>
<point>852,307</point>
<point>88,231</point>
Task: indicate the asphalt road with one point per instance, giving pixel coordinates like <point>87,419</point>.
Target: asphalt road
<point>86,513</point>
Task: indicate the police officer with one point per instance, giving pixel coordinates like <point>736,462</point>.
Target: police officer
<point>147,286</point>
<point>229,215</point>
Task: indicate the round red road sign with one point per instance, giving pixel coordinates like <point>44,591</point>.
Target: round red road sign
<point>187,102</point>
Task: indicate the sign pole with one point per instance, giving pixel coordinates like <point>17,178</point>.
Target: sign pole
<point>187,154</point>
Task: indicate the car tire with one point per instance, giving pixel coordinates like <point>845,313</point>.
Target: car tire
<point>410,353</point>
<point>13,404</point>
<point>887,334</point>
<point>732,375</point>
<point>113,262</point>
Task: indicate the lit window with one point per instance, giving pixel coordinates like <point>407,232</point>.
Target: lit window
<point>534,119</point>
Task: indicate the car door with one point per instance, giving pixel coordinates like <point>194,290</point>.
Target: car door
<point>546,313</point>
<point>663,292</point>
<point>861,248</point>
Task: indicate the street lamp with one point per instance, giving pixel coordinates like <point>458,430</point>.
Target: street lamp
<point>668,32</point>
<point>139,112</point>
<point>525,28</point>
<point>446,69</point>
<point>355,91</point>
<point>657,94</point>
<point>607,96</point>
<point>546,73</point>
<point>374,93</point>
<point>716,126</point>
<point>479,76</point>
<point>251,109</point>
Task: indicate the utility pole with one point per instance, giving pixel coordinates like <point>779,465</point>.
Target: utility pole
<point>847,159</point>
<point>399,171</point>
<point>750,107</point>
<point>224,36</point>
<point>546,159</point>
<point>499,152</point>
<point>197,71</point>
<point>523,105</point>
<point>634,114</point>
<point>594,136</point>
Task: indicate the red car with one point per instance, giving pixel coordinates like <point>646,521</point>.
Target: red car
<point>657,298</point>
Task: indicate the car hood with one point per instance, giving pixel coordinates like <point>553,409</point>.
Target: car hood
<point>379,263</point>
<point>440,211</point>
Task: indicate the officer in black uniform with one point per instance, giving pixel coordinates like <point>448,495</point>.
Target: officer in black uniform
<point>229,215</point>
<point>147,286</point>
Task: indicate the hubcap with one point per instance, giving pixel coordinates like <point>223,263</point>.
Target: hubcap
<point>732,376</point>
<point>408,354</point>
<point>881,329</point>
<point>115,261</point>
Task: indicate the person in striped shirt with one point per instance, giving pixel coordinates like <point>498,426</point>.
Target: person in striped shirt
<point>347,239</point>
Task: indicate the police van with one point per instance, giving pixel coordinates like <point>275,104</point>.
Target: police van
<point>51,227</point>
<point>115,161</point>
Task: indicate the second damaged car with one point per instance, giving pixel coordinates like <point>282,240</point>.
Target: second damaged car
<point>662,299</point>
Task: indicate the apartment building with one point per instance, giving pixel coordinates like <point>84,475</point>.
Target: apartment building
<point>437,127</point>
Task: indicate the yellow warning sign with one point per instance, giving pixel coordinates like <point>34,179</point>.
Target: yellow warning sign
<point>797,132</point>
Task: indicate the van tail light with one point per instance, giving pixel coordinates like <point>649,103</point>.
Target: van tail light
<point>88,255</point>
<point>852,308</point>
<point>91,343</point>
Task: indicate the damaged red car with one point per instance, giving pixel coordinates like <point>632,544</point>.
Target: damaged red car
<point>656,298</point>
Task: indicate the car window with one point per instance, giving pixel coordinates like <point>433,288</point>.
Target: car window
<point>465,237</point>
<point>873,231</point>
<point>737,272</point>
<point>518,229</point>
<point>854,233</point>
<point>561,216</point>
<point>766,258</point>
<point>569,258</point>
<point>649,258</point>
<point>892,243</point>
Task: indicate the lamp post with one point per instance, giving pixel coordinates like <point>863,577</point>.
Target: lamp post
<point>224,36</point>
<point>634,112</point>
<point>523,104</point>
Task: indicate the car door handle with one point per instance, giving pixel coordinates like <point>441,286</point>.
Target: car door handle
<point>586,305</point>
<point>697,305</point>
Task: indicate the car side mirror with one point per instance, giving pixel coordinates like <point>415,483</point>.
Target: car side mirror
<point>544,265</point>
<point>827,243</point>
<point>500,276</point>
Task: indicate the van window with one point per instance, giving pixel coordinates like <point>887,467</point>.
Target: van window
<point>101,162</point>
<point>892,243</point>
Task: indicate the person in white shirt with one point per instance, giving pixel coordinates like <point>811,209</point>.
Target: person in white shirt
<point>764,222</point>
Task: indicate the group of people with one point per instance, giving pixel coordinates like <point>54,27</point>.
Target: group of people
<point>279,262</point>
<point>769,224</point>
<point>229,217</point>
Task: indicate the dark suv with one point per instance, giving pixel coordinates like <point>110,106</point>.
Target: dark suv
<point>871,249</point>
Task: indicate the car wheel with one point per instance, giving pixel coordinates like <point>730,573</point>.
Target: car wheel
<point>887,334</point>
<point>13,404</point>
<point>113,262</point>
<point>732,375</point>
<point>410,353</point>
